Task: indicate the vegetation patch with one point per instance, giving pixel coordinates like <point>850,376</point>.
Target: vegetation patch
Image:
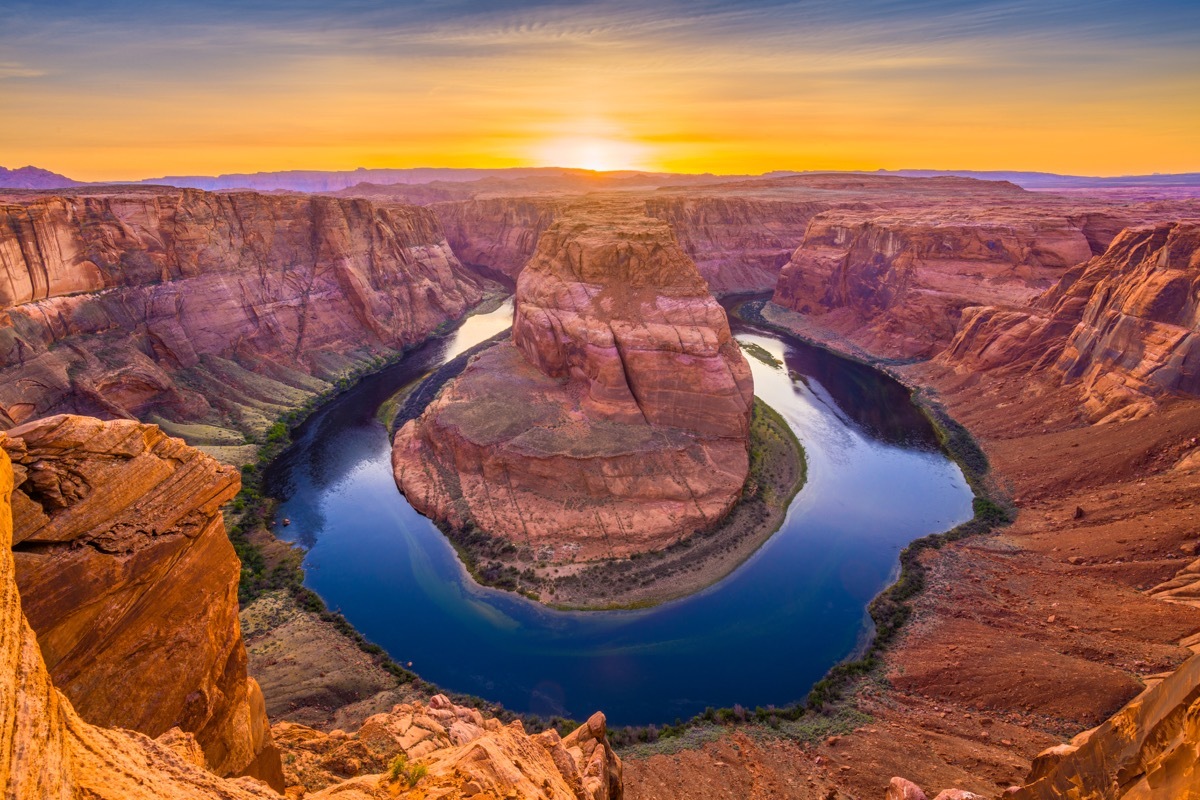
<point>761,353</point>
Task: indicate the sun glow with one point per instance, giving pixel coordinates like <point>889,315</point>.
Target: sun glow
<point>599,154</point>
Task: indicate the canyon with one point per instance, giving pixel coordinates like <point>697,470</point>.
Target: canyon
<point>617,419</point>
<point>214,311</point>
<point>1048,324</point>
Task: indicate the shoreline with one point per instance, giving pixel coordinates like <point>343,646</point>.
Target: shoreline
<point>697,563</point>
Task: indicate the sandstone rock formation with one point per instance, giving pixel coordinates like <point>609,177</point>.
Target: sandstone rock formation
<point>905,276</point>
<point>47,751</point>
<point>463,754</point>
<point>208,307</point>
<point>499,234</point>
<point>1123,326</point>
<point>130,583</point>
<point>616,420</point>
<point>739,244</point>
<point>1149,750</point>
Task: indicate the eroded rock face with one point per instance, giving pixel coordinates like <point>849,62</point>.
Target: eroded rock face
<point>900,280</point>
<point>47,751</point>
<point>117,304</point>
<point>617,419</point>
<point>1122,325</point>
<point>1149,750</point>
<point>499,234</point>
<point>739,244</point>
<point>129,581</point>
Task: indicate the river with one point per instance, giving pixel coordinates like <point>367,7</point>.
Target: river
<point>761,636</point>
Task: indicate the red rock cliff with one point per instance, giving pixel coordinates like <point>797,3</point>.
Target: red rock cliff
<point>130,583</point>
<point>1123,325</point>
<point>115,304</point>
<point>739,244</point>
<point>617,419</point>
<point>900,280</point>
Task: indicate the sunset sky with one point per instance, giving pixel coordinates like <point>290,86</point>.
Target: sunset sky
<point>123,90</point>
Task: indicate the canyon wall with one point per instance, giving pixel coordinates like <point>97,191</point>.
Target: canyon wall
<point>130,583</point>
<point>209,307</point>
<point>1123,326</point>
<point>498,234</point>
<point>900,281</point>
<point>739,244</point>
<point>616,421</point>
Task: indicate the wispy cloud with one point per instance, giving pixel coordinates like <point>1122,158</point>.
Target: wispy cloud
<point>13,69</point>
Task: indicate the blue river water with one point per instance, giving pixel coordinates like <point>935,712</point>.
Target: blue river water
<point>761,636</point>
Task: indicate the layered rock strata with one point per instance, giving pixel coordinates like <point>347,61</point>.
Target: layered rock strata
<point>1122,326</point>
<point>499,234</point>
<point>616,420</point>
<point>739,244</point>
<point>48,751</point>
<point>213,307</point>
<point>900,280</point>
<point>130,583</point>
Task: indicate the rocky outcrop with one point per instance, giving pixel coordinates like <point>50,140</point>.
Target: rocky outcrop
<point>1122,326</point>
<point>616,421</point>
<point>739,244</point>
<point>445,750</point>
<point>899,281</point>
<point>1149,750</point>
<point>130,583</point>
<point>208,307</point>
<point>47,751</point>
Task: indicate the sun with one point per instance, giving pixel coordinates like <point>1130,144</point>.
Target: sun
<point>594,153</point>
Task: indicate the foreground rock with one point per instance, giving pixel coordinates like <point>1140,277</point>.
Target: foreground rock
<point>130,583</point>
<point>446,750</point>
<point>1148,750</point>
<point>226,309</point>
<point>616,421</point>
<point>47,751</point>
<point>1123,326</point>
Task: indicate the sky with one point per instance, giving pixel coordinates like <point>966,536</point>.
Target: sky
<point>127,89</point>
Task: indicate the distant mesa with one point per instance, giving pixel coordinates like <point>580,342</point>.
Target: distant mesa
<point>33,178</point>
<point>615,421</point>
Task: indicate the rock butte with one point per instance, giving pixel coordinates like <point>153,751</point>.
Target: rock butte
<point>615,421</point>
